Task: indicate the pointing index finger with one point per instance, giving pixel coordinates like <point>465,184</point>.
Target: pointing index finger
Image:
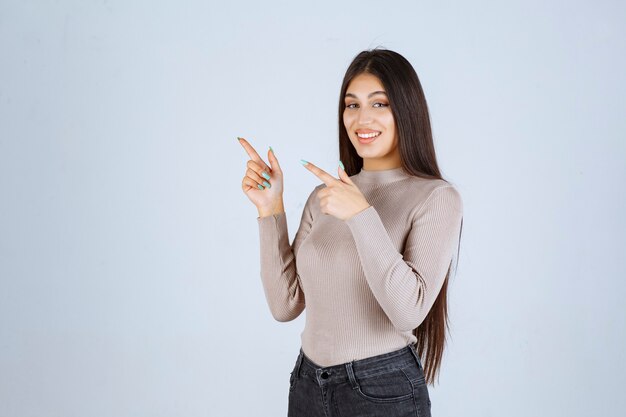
<point>252,153</point>
<point>321,174</point>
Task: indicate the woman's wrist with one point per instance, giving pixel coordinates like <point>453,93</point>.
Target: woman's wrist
<point>270,211</point>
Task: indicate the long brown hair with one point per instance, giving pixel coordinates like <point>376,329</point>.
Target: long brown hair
<point>417,151</point>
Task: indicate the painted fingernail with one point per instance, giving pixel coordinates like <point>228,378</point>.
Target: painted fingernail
<point>267,184</point>
<point>304,162</point>
<point>238,138</point>
<point>271,149</point>
<point>341,165</point>
<point>265,175</point>
<point>260,187</point>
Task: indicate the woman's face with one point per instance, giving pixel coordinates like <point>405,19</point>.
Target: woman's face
<point>367,113</point>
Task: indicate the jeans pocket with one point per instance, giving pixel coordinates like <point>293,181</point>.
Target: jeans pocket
<point>415,373</point>
<point>390,386</point>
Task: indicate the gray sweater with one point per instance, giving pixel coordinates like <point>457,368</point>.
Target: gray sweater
<point>368,281</point>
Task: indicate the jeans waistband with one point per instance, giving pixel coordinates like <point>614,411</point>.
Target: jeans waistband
<point>360,368</point>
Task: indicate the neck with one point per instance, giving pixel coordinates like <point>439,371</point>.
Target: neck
<point>382,176</point>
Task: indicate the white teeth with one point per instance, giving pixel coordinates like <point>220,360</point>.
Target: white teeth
<point>368,135</point>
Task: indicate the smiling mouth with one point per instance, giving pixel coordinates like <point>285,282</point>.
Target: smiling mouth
<point>365,138</point>
<point>368,135</point>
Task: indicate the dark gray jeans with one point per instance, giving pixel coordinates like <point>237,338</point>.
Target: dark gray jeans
<point>390,385</point>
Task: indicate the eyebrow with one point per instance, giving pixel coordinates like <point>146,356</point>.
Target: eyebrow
<point>368,96</point>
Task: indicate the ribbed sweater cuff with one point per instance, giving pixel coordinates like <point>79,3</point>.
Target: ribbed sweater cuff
<point>366,225</point>
<point>273,235</point>
<point>375,248</point>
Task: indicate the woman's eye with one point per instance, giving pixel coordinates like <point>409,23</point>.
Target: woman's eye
<point>349,106</point>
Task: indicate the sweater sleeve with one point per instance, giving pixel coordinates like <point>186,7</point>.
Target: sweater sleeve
<point>406,285</point>
<point>279,275</point>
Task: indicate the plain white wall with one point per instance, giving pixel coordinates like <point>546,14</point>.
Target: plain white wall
<point>129,256</point>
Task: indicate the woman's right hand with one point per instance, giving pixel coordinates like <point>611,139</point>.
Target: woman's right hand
<point>268,200</point>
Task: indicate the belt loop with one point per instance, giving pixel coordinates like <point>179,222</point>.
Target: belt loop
<point>351,376</point>
<point>413,349</point>
<point>299,362</point>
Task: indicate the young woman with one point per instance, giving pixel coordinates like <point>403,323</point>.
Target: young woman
<point>373,253</point>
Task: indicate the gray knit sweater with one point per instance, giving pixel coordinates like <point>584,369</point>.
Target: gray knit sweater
<point>368,281</point>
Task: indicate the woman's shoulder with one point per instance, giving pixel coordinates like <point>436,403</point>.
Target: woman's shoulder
<point>429,185</point>
<point>432,191</point>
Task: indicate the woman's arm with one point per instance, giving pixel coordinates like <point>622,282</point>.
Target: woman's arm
<point>406,285</point>
<point>281,283</point>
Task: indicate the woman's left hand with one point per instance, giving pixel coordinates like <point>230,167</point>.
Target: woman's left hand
<point>341,197</point>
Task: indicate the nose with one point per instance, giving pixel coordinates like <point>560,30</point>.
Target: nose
<point>365,117</point>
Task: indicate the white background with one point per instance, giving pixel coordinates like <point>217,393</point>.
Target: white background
<point>129,258</point>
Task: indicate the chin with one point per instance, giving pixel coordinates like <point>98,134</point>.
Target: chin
<point>370,154</point>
